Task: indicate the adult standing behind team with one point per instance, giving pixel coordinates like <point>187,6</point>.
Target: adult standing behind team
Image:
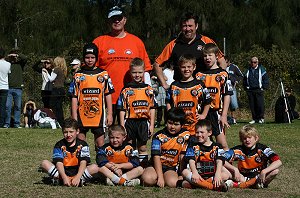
<point>116,50</point>
<point>188,42</point>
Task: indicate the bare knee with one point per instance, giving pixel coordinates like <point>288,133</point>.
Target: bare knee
<point>46,165</point>
<point>149,177</point>
<point>93,169</point>
<point>274,172</point>
<point>142,149</point>
<point>185,173</point>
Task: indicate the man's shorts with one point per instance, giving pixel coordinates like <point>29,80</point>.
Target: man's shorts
<point>214,117</point>
<point>234,101</point>
<point>137,129</point>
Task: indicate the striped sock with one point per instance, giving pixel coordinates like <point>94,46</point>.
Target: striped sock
<point>86,176</point>
<point>53,172</point>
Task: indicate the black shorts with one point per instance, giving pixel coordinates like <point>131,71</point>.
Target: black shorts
<point>97,131</point>
<point>137,129</point>
<point>213,117</point>
<point>168,168</point>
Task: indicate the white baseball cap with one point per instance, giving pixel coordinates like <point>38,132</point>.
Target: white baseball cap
<point>75,62</point>
<point>115,11</point>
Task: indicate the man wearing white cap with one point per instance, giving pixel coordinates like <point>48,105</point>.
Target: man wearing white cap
<point>117,49</point>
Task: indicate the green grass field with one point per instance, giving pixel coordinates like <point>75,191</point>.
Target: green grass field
<point>22,150</point>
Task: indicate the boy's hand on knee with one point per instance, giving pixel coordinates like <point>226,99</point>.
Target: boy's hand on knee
<point>67,181</point>
<point>161,182</point>
<point>262,176</point>
<point>75,181</point>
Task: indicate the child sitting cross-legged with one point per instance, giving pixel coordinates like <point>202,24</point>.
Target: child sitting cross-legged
<point>117,160</point>
<point>205,159</point>
<point>167,150</point>
<point>258,164</point>
<point>70,158</point>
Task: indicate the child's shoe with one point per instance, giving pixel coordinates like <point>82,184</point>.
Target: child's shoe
<point>109,182</point>
<point>132,182</point>
<point>55,181</point>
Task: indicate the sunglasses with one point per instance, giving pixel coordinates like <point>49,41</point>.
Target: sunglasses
<point>117,18</point>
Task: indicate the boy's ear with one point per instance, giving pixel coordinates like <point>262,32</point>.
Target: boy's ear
<point>77,131</point>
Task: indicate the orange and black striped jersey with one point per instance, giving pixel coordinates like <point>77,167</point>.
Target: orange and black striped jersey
<point>205,157</point>
<point>122,154</point>
<point>91,87</point>
<point>218,84</point>
<point>71,156</point>
<point>251,161</point>
<point>137,99</point>
<point>169,146</point>
<point>177,47</point>
<point>190,96</point>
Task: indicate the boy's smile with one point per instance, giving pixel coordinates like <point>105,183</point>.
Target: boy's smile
<point>137,73</point>
<point>203,135</point>
<point>116,139</point>
<point>90,60</point>
<point>70,135</point>
<point>186,70</point>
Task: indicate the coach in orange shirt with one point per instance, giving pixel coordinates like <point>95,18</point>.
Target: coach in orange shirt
<point>117,49</point>
<point>188,42</point>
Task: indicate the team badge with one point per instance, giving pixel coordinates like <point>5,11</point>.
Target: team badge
<point>130,92</point>
<point>212,155</point>
<point>199,47</point>
<point>111,51</point>
<point>258,159</point>
<point>202,78</point>
<point>176,92</point>
<point>100,79</point>
<point>147,92</point>
<point>127,153</point>
<point>82,78</point>
<point>180,140</point>
<point>128,52</point>
<point>109,153</point>
<point>218,78</point>
<point>194,92</point>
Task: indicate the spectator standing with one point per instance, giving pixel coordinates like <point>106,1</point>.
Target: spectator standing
<point>255,81</point>
<point>116,50</point>
<point>58,77</point>
<point>235,76</point>
<point>4,71</point>
<point>15,81</point>
<point>47,67</point>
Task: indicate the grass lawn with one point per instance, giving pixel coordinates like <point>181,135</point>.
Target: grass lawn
<point>22,150</point>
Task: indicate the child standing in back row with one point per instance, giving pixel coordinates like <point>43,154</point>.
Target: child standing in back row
<point>137,109</point>
<point>92,97</point>
<point>189,94</point>
<point>219,86</point>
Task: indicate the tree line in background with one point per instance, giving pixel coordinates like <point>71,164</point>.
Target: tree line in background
<point>268,29</point>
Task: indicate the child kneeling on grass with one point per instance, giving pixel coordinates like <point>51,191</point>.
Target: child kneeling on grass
<point>205,159</point>
<point>118,161</point>
<point>70,158</point>
<point>258,164</point>
<point>167,150</point>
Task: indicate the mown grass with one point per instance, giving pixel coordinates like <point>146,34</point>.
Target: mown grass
<point>22,150</point>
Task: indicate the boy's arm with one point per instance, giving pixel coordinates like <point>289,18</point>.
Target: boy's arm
<point>122,118</point>
<point>74,108</point>
<point>233,170</point>
<point>152,122</point>
<point>204,113</point>
<point>61,170</point>
<point>24,109</point>
<point>76,180</point>
<point>125,166</point>
<point>159,172</point>
<point>223,119</point>
<point>218,177</point>
<point>108,100</point>
<point>160,75</point>
<point>274,165</point>
<point>195,175</point>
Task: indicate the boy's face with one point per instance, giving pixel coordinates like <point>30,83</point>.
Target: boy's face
<point>203,135</point>
<point>187,69</point>
<point>249,141</point>
<point>116,138</point>
<point>70,135</point>
<point>90,60</point>
<point>210,59</point>
<point>173,127</point>
<point>137,73</point>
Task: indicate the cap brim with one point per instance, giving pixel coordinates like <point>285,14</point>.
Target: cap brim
<point>115,13</point>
